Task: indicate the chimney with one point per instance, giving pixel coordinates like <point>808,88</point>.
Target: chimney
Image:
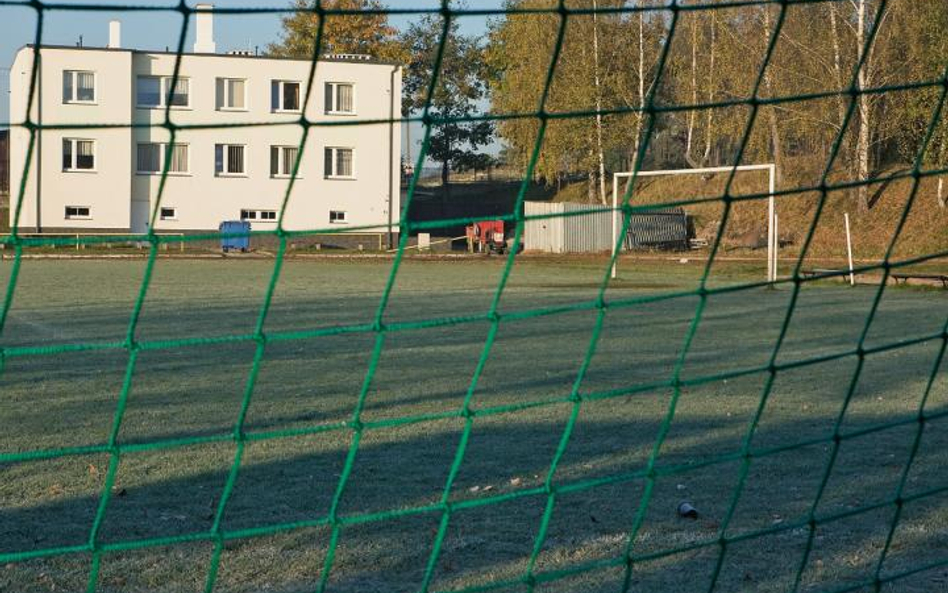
<point>115,34</point>
<point>204,40</point>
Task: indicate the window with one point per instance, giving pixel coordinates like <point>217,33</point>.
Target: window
<point>262,215</point>
<point>337,217</point>
<point>168,213</point>
<point>154,90</point>
<point>78,155</point>
<point>340,98</point>
<point>284,95</point>
<point>282,160</point>
<point>151,158</point>
<point>229,159</point>
<point>78,212</point>
<point>149,91</point>
<point>78,86</point>
<point>339,163</point>
<point>181,96</point>
<point>231,94</point>
<point>180,163</point>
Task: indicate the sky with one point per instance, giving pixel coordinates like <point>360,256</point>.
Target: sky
<point>158,30</point>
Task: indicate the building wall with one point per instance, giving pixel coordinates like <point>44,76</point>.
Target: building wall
<point>20,141</point>
<point>122,199</point>
<point>107,189</point>
<point>4,162</point>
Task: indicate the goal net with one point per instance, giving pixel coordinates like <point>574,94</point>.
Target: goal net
<point>294,420</point>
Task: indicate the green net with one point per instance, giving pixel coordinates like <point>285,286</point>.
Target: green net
<point>631,487</point>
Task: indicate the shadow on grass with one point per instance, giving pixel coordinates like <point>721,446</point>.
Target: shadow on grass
<point>175,492</point>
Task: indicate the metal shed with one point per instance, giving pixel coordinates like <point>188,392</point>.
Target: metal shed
<point>562,233</point>
<point>565,227</point>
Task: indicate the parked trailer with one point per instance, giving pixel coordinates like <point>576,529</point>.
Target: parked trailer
<point>486,236</point>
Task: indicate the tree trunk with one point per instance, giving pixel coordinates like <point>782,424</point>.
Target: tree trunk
<point>694,92</point>
<point>941,178</point>
<point>837,65</point>
<point>602,160</point>
<point>710,112</point>
<point>640,116</point>
<point>862,143</point>
<point>772,111</point>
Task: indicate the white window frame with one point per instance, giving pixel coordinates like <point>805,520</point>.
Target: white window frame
<point>163,83</point>
<point>162,151</point>
<point>343,220</point>
<point>255,215</point>
<point>225,99</point>
<point>74,100</point>
<point>282,94</point>
<point>225,160</point>
<point>331,108</point>
<point>67,216</point>
<point>281,162</point>
<point>173,216</point>
<point>75,156</point>
<point>335,159</point>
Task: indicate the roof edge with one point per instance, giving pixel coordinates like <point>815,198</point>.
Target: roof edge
<point>371,61</point>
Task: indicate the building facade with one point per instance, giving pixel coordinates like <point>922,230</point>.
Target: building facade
<point>4,165</point>
<point>237,160</point>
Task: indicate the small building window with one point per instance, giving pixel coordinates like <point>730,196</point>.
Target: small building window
<point>262,215</point>
<point>78,155</point>
<point>339,163</point>
<point>156,92</point>
<point>340,98</point>
<point>78,86</point>
<point>151,158</point>
<point>284,95</point>
<point>231,94</point>
<point>229,159</point>
<point>78,212</point>
<point>338,217</point>
<point>168,213</point>
<point>282,160</point>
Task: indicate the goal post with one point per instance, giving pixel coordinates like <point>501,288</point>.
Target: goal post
<point>771,168</point>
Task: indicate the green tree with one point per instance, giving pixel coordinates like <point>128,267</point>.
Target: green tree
<point>458,91</point>
<point>607,62</point>
<point>369,33</point>
<point>920,27</point>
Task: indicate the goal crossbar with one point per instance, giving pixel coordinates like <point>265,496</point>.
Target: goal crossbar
<point>771,168</point>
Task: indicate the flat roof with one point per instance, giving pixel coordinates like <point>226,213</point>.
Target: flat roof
<point>323,58</point>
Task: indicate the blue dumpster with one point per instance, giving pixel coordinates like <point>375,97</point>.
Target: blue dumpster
<point>235,226</point>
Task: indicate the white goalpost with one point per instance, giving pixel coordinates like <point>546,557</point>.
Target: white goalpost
<point>772,240</point>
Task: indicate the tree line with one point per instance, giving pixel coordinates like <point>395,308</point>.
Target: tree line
<point>637,81</point>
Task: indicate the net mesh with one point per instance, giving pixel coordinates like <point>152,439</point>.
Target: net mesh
<point>550,491</point>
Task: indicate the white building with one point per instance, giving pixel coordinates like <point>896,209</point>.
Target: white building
<point>106,179</point>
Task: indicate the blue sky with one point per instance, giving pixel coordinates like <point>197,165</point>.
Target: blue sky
<point>157,30</point>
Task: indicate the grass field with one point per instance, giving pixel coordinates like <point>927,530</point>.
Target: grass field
<point>188,397</point>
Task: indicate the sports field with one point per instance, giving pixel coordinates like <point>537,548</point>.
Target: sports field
<point>292,499</point>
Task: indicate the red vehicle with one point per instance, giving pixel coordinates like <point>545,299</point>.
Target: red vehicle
<point>487,236</point>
